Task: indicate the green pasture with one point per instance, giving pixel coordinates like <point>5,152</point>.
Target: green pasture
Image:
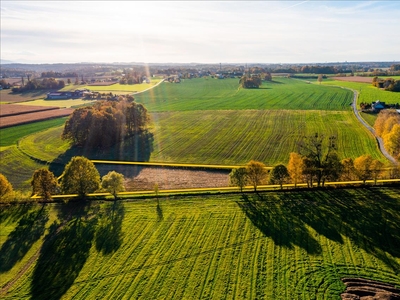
<point>289,245</point>
<point>367,92</point>
<point>115,88</point>
<point>236,137</point>
<point>225,94</point>
<point>230,137</point>
<point>11,135</point>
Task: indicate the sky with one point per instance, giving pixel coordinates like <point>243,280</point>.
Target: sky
<point>200,31</point>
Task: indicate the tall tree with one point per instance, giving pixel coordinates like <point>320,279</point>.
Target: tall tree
<point>348,171</point>
<point>44,183</point>
<point>376,169</point>
<point>80,177</point>
<point>295,167</point>
<point>256,173</point>
<point>113,182</point>
<point>238,177</point>
<point>321,161</point>
<point>6,188</point>
<point>279,175</point>
<point>362,166</point>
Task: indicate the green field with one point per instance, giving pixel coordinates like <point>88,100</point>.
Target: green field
<point>290,245</point>
<point>367,92</point>
<point>225,94</point>
<point>114,88</point>
<point>230,137</point>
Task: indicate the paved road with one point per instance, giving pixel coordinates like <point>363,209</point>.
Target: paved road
<point>372,130</point>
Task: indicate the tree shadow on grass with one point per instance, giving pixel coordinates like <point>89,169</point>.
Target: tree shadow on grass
<point>109,234</point>
<point>64,251</point>
<point>272,217</point>
<point>159,211</point>
<point>368,217</point>
<point>29,229</point>
<point>137,148</point>
<point>12,213</point>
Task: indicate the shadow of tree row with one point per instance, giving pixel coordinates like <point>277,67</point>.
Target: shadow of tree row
<point>369,217</point>
<point>135,148</point>
<point>67,245</point>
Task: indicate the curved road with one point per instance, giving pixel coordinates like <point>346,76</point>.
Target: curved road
<point>372,130</point>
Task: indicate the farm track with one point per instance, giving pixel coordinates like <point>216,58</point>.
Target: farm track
<point>372,130</point>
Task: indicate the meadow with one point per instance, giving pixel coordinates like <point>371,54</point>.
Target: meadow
<point>367,92</point>
<point>225,94</point>
<point>115,88</point>
<point>289,245</point>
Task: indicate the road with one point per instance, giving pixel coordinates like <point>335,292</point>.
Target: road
<point>372,130</point>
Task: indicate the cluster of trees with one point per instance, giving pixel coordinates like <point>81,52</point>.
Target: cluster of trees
<point>250,82</point>
<point>317,163</point>
<point>389,84</point>
<point>44,84</point>
<point>105,123</point>
<point>131,78</point>
<point>52,74</point>
<point>80,177</point>
<point>4,84</point>
<point>387,126</point>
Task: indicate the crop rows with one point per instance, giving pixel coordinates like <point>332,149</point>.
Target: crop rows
<point>279,246</point>
<point>213,94</point>
<point>235,137</point>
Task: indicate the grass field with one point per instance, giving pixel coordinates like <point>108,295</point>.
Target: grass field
<point>7,97</point>
<point>231,137</point>
<point>17,167</point>
<point>214,94</point>
<point>295,245</point>
<point>236,137</point>
<point>367,92</point>
<point>115,88</point>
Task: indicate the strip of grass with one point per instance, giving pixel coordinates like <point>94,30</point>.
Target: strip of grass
<point>225,94</point>
<point>11,135</point>
<point>292,245</point>
<point>115,88</point>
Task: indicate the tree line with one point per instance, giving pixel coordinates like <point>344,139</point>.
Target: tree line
<point>106,123</point>
<point>52,74</point>
<point>80,177</point>
<point>389,84</point>
<point>37,84</point>
<point>387,126</point>
<point>316,163</point>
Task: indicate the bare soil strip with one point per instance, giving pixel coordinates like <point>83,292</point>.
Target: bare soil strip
<point>354,79</point>
<point>33,117</point>
<point>363,289</point>
<point>15,109</point>
<point>169,179</point>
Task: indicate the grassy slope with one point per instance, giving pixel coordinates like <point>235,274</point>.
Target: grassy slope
<point>293,245</point>
<point>17,167</point>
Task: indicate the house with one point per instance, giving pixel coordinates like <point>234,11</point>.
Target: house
<point>377,106</point>
<point>59,95</point>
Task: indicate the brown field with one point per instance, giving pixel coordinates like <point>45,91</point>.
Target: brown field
<point>15,109</point>
<point>354,79</point>
<point>169,179</point>
<point>6,96</point>
<point>25,118</point>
